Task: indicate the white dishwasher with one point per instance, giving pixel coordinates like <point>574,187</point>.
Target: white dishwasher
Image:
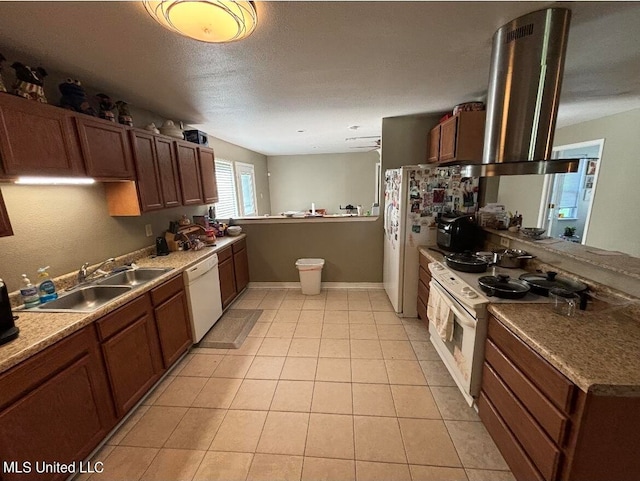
<point>203,295</point>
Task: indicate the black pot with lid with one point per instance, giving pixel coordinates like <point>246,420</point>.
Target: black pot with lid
<point>466,262</point>
<point>503,286</point>
<point>541,283</point>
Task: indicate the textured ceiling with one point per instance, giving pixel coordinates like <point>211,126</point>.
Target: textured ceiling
<point>321,67</point>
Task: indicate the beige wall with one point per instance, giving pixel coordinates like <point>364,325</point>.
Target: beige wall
<point>225,150</point>
<point>63,227</point>
<point>328,180</point>
<point>614,219</point>
<point>522,193</point>
<point>404,140</point>
<point>352,250</point>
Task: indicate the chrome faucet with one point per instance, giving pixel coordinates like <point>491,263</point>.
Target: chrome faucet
<point>85,276</point>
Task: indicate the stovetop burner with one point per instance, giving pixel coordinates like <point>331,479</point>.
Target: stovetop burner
<point>458,283</point>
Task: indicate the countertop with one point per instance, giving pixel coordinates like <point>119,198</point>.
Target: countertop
<point>614,261</point>
<point>38,330</point>
<point>283,219</point>
<point>597,349</point>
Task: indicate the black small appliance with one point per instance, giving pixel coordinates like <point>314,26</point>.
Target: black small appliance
<point>162,248</point>
<point>458,232</point>
<point>8,329</point>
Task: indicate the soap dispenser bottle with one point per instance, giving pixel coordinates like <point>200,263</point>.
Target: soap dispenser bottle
<point>46,287</point>
<point>29,293</point>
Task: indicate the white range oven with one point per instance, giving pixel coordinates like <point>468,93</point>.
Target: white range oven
<point>457,314</point>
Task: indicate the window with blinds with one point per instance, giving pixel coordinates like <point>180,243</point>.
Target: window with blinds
<point>227,205</point>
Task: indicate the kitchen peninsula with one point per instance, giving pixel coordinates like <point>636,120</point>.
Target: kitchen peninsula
<point>350,246</point>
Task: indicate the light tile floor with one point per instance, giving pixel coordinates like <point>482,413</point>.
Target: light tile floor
<point>328,387</point>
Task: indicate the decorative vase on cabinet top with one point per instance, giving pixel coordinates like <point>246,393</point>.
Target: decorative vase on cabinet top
<point>171,129</point>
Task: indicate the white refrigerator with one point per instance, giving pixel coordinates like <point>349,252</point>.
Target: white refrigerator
<point>414,195</point>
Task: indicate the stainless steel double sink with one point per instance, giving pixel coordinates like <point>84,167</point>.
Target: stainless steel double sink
<point>93,296</point>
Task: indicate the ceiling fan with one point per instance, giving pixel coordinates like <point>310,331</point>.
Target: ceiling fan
<point>374,142</point>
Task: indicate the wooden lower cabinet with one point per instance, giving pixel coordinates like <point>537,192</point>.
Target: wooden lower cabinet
<point>547,428</point>
<point>58,405</point>
<point>240,265</point>
<point>131,352</point>
<point>233,268</point>
<point>172,320</point>
<point>424,278</point>
<point>55,406</point>
<point>227,276</point>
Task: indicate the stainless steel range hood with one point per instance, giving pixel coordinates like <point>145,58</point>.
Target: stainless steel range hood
<point>527,62</point>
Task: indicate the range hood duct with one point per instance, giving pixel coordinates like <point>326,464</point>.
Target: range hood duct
<point>527,63</point>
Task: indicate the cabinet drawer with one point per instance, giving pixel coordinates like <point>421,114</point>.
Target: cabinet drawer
<point>544,454</point>
<point>29,374</point>
<point>423,293</point>
<point>238,246</point>
<point>424,263</point>
<point>422,310</point>
<point>546,414</point>
<point>114,322</point>
<point>224,254</point>
<point>424,276</point>
<point>165,291</point>
<point>521,466</point>
<point>547,378</point>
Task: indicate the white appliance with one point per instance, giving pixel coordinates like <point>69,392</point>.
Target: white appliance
<point>466,306</point>
<point>203,294</point>
<point>414,195</point>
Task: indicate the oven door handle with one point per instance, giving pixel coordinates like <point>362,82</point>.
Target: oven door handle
<point>462,319</point>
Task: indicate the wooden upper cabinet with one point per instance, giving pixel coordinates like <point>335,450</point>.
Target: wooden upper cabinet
<point>147,172</point>
<point>168,170</point>
<point>448,136</point>
<point>434,145</point>
<point>5,224</point>
<point>189,169</point>
<point>37,139</point>
<point>208,174</point>
<point>459,138</point>
<point>105,148</point>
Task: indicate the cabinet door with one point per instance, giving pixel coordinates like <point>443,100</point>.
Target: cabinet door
<point>168,170</point>
<point>189,168</point>
<point>448,133</point>
<point>174,327</point>
<point>5,224</point>
<point>105,148</point>
<point>37,139</point>
<point>132,353</point>
<point>241,266</point>
<point>144,156</point>
<point>228,290</point>
<point>208,174</point>
<point>56,406</point>
<point>434,145</point>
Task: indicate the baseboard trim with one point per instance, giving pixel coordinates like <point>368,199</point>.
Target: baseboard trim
<point>325,285</point>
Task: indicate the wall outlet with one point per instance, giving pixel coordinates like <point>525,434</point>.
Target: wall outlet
<point>504,242</point>
<point>147,230</point>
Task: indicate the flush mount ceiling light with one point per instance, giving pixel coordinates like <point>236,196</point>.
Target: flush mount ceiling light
<point>207,21</point>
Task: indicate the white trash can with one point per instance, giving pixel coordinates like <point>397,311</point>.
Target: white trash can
<point>310,275</point>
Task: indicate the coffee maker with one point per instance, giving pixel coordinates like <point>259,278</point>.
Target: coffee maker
<point>8,329</point>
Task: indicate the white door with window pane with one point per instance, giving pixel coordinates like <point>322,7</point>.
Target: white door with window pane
<point>246,189</point>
